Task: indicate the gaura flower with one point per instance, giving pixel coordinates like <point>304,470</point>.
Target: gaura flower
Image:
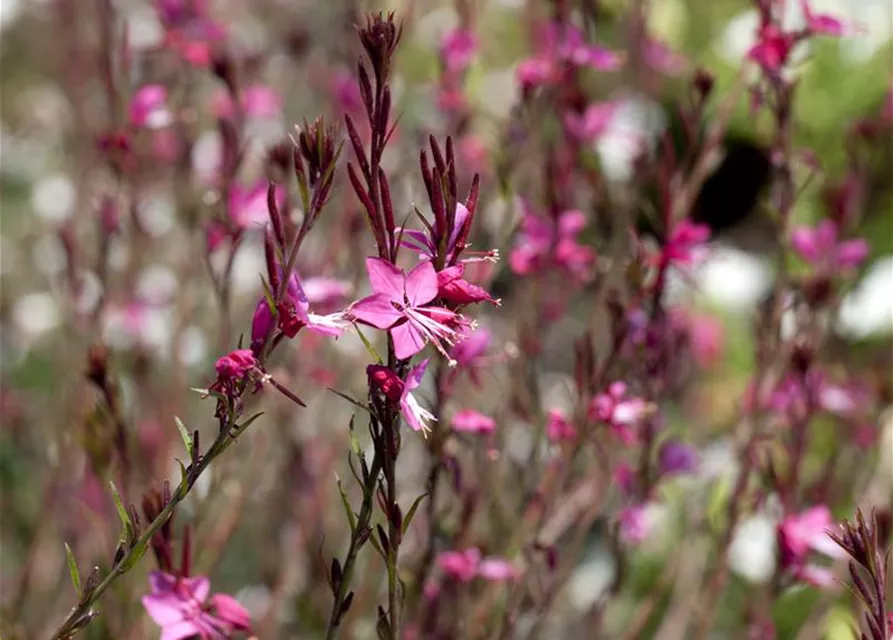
<point>618,411</point>
<point>821,248</point>
<point>148,107</point>
<point>399,393</point>
<point>399,305</point>
<point>452,286</point>
<point>798,534</point>
<point>558,427</point>
<point>471,421</point>
<point>181,607</point>
<point>467,564</point>
<point>545,242</point>
<point>458,49</point>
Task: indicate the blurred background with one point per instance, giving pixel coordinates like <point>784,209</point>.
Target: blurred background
<point>91,253</point>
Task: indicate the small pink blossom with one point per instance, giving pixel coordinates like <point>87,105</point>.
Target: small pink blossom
<point>247,206</point>
<point>544,243</point>
<point>558,427</point>
<point>594,122</point>
<point>661,58</point>
<point>821,23</point>
<point>820,247</point>
<point>773,48</point>
<point>633,524</point>
<point>801,533</point>
<point>686,239</point>
<point>256,101</point>
<point>707,339</point>
<point>400,393</point>
<point>618,411</point>
<point>237,365</point>
<point>148,107</point>
<point>399,305</point>
<point>675,458</point>
<point>181,607</point>
<point>471,421</point>
<point>467,564</point>
<point>458,49</point>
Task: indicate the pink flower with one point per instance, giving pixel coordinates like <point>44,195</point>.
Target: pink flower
<point>237,365</point>
<point>467,565</point>
<point>293,315</point>
<point>247,206</point>
<point>148,107</point>
<point>560,45</point>
<point>257,101</point>
<point>800,533</point>
<point>618,411</point>
<point>819,246</point>
<point>457,49</point>
<point>326,293</point>
<point>661,58</point>
<point>471,421</point>
<point>558,427</point>
<point>707,336</point>
<point>594,121</point>
<point>461,565</point>
<point>180,606</point>
<point>685,239</point>
<point>400,393</point>
<point>773,48</point>
<point>398,305</point>
<point>534,72</point>
<point>633,524</point>
<point>452,286</point>
<point>544,242</point>
<point>426,244</point>
<point>821,24</point>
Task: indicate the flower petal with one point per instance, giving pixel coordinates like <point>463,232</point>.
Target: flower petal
<point>421,284</point>
<point>385,278</point>
<point>408,340</point>
<point>376,310</point>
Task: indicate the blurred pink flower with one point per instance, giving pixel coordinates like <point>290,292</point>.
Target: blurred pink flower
<point>148,107</point>
<point>326,293</point>
<point>676,457</point>
<point>685,240</point>
<point>619,412</point>
<point>180,606</point>
<point>471,421</point>
<point>633,524</point>
<point>661,58</point>
<point>821,24</point>
<point>458,49</point>
<point>798,534</point>
<point>707,337</point>
<point>398,305</point>
<point>545,242</point>
<point>258,101</point>
<point>247,206</point>
<point>820,247</point>
<point>237,365</point>
<point>772,48</point>
<point>594,121</point>
<point>400,393</point>
<point>467,565</point>
<point>559,45</point>
<point>558,427</point>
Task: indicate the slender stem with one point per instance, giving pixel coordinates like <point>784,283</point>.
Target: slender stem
<point>358,538</point>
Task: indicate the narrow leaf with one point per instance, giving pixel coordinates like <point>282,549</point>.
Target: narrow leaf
<point>411,512</point>
<point>351,518</point>
<point>369,347</point>
<point>184,434</point>
<point>73,569</point>
<point>122,512</point>
<point>354,402</point>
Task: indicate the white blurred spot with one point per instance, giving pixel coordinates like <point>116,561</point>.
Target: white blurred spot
<point>247,269</point>
<point>193,346</point>
<point>36,313</point>
<point>89,294</point>
<point>53,197</point>
<point>868,310</point>
<point>753,549</point>
<point>48,255</point>
<point>632,131</point>
<point>157,284</point>
<point>156,215</point>
<point>206,156</point>
<point>144,30</point>
<point>9,12</point>
<point>733,279</point>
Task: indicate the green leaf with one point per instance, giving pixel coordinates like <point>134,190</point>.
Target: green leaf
<point>369,347</point>
<point>353,401</point>
<point>184,434</point>
<point>377,545</point>
<point>73,569</point>
<point>122,512</point>
<point>411,512</point>
<point>351,517</point>
<point>240,429</point>
<point>183,488</point>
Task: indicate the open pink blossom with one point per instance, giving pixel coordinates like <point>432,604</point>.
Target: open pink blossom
<point>821,248</point>
<point>148,107</point>
<point>773,48</point>
<point>400,393</point>
<point>181,607</point>
<point>798,534</point>
<point>471,421</point>
<point>399,305</point>
<point>561,45</point>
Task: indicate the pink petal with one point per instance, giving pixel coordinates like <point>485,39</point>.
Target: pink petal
<point>851,253</point>
<point>421,284</point>
<point>376,310</point>
<point>229,610</point>
<point>200,586</point>
<point>408,340</point>
<point>803,242</point>
<point>164,610</point>
<point>387,279</point>
<point>181,630</point>
<point>160,582</point>
<point>497,570</point>
<point>570,223</point>
<point>414,378</point>
<point>471,421</point>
